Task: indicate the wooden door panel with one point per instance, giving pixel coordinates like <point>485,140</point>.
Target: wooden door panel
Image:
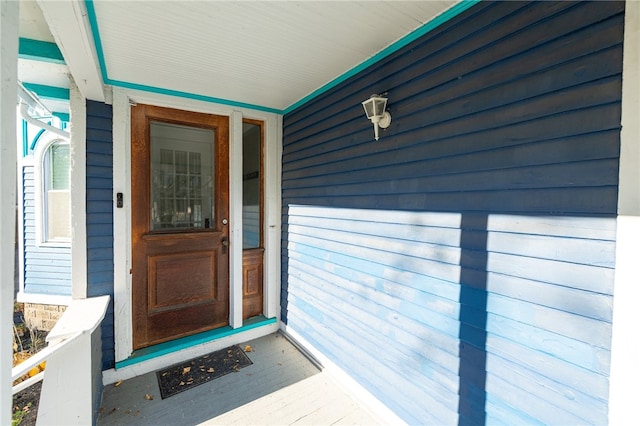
<point>168,272</point>
<point>180,273</point>
<point>252,277</point>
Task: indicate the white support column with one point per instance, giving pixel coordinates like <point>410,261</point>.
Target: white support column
<point>235,219</point>
<point>8,157</point>
<point>272,215</point>
<point>625,345</point>
<point>122,224</point>
<point>78,186</point>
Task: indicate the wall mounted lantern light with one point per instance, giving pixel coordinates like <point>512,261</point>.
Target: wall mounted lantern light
<point>375,108</point>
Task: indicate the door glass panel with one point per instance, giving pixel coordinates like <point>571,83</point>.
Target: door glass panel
<point>251,171</point>
<point>182,177</point>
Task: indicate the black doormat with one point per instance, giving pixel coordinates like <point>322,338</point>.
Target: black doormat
<point>189,374</point>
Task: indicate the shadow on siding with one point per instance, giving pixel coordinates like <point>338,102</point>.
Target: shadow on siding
<point>473,320</point>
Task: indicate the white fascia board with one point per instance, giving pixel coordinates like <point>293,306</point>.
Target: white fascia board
<point>69,26</point>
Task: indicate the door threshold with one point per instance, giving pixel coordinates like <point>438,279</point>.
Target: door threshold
<point>176,345</point>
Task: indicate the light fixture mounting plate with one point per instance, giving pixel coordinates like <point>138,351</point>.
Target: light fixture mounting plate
<point>385,121</point>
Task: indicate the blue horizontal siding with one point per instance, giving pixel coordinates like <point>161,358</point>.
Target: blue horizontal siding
<point>347,277</point>
<point>99,186</point>
<point>47,269</point>
<point>57,263</point>
<point>461,267</point>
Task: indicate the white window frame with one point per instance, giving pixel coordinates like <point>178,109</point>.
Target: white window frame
<point>46,140</point>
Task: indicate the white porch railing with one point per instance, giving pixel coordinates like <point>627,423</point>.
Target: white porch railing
<point>72,380</point>
<point>25,366</point>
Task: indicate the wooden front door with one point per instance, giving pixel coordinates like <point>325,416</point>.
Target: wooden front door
<point>179,205</point>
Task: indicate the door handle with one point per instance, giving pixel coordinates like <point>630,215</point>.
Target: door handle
<point>225,244</point>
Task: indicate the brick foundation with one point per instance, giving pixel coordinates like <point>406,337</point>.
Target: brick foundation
<point>42,317</point>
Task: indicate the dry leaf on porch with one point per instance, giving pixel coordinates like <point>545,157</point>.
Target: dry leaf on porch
<point>248,348</point>
<point>210,370</point>
<point>148,397</point>
<point>118,383</point>
<point>186,370</point>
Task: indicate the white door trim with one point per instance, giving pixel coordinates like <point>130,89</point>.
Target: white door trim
<point>122,99</point>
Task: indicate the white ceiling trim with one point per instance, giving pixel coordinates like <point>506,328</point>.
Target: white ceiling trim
<point>70,29</point>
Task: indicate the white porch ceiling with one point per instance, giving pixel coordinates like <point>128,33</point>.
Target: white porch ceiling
<point>268,54</point>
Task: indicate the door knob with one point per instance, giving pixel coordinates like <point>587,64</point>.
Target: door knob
<point>225,244</point>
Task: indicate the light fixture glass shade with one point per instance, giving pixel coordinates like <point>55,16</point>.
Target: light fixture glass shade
<point>374,107</point>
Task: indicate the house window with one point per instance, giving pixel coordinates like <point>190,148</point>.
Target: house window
<point>182,180</point>
<point>252,185</point>
<point>56,199</point>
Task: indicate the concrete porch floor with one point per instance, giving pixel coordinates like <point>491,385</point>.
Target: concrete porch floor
<point>281,387</point>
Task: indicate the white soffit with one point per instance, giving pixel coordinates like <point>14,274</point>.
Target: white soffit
<point>39,72</point>
<point>269,54</point>
<point>33,26</point>
<point>32,23</point>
